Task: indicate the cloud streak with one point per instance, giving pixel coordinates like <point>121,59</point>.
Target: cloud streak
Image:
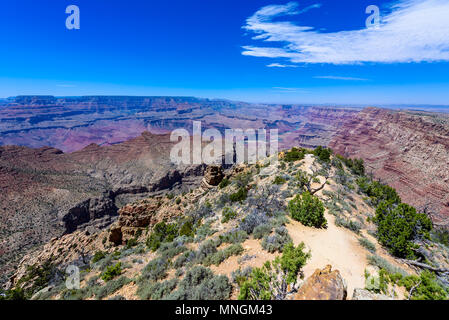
<point>414,31</point>
<point>340,78</point>
<point>280,65</point>
<point>290,90</point>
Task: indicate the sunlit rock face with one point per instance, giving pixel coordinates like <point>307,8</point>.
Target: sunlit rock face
<point>407,150</point>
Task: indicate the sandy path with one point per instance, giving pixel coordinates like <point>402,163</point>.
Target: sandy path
<point>334,246</point>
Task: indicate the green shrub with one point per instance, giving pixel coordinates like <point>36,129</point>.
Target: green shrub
<point>111,287</point>
<point>81,294</point>
<point>348,224</point>
<point>36,278</point>
<point>239,276</point>
<point>239,196</point>
<point>99,255</point>
<point>224,183</point>
<point>187,229</point>
<point>228,214</point>
<point>381,263</point>
<point>243,179</point>
<point>262,230</point>
<point>279,180</point>
<point>357,166</point>
<point>426,287</point>
<point>272,280</point>
<point>218,257</point>
<point>233,236</point>
<point>276,242</point>
<point>303,178</point>
<point>204,231</point>
<point>171,249</point>
<point>215,288</point>
<point>156,290</point>
<point>323,154</point>
<point>399,226</point>
<point>367,244</point>
<point>17,294</point>
<point>308,210</point>
<point>131,243</point>
<point>162,232</point>
<point>185,258</point>
<point>155,270</point>
<point>294,154</point>
<point>112,272</point>
<point>208,248</point>
<point>377,191</point>
<point>422,287</point>
<point>199,283</point>
<point>279,220</point>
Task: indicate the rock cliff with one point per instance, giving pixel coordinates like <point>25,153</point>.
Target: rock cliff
<point>408,150</point>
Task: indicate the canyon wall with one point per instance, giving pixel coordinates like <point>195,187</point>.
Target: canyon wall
<point>71,124</point>
<point>45,193</point>
<point>409,150</point>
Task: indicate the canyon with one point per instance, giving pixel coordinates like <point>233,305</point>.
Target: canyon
<point>68,164</point>
<point>46,193</point>
<point>408,150</point>
<point>71,163</point>
<point>70,124</point>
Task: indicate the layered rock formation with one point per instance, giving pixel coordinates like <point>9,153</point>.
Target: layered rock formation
<point>70,124</point>
<point>213,176</point>
<point>133,217</point>
<point>46,193</point>
<point>407,150</point>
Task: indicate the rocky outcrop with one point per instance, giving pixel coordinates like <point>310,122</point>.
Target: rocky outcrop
<point>407,150</point>
<point>213,176</point>
<point>323,284</point>
<point>87,211</point>
<point>116,234</point>
<point>362,294</point>
<point>138,215</point>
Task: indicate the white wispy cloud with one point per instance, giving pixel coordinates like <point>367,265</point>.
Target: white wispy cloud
<point>341,78</point>
<point>413,31</point>
<point>280,65</point>
<point>290,90</point>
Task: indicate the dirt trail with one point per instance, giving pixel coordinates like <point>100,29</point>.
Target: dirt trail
<point>335,246</point>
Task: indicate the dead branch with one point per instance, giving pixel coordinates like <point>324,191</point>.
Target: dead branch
<point>424,266</point>
<point>413,289</point>
<point>309,182</point>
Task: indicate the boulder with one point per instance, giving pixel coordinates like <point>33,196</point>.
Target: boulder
<point>323,285</point>
<point>213,175</point>
<point>139,215</point>
<point>115,234</point>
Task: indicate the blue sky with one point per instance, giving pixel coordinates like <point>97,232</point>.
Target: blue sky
<point>258,51</point>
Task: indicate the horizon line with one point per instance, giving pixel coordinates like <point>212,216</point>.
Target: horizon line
<point>360,105</point>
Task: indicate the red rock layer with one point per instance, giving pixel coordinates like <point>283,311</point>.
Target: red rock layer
<point>407,150</point>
